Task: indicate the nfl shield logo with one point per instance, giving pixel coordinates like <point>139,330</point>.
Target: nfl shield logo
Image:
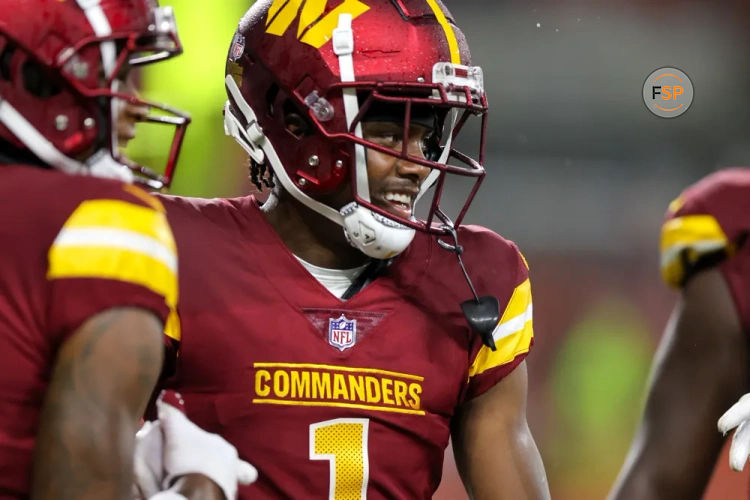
<point>238,47</point>
<point>342,332</point>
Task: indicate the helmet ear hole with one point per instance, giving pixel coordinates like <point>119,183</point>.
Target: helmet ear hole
<point>37,82</point>
<point>295,122</point>
<point>271,94</point>
<point>297,125</point>
<point>5,58</point>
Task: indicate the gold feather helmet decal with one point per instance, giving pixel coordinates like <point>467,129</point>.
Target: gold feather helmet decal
<point>316,31</point>
<point>312,29</point>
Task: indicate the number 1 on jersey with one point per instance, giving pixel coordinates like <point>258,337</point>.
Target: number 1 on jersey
<point>343,442</point>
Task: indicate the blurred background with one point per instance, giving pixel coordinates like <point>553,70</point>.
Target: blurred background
<point>579,175</point>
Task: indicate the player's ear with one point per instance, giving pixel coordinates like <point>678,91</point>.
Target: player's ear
<point>296,124</point>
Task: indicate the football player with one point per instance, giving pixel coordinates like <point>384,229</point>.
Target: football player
<point>333,336</point>
<point>701,365</point>
<point>87,265</point>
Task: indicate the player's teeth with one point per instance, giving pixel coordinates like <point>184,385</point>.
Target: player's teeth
<point>398,197</point>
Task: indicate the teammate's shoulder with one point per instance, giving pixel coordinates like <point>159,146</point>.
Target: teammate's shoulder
<point>210,207</point>
<point>704,225</point>
<point>717,191</point>
<point>484,236</point>
<point>498,269</point>
<point>48,197</point>
<point>116,238</point>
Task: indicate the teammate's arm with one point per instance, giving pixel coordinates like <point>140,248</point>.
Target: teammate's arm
<point>100,383</point>
<point>699,370</point>
<point>495,451</point>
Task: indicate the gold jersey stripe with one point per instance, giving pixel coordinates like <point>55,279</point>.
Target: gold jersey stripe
<point>450,35</point>
<point>512,335</point>
<point>337,405</point>
<point>172,327</point>
<point>695,234</point>
<point>119,239</point>
<point>338,368</point>
<point>518,303</point>
<point>104,262</point>
<point>507,350</point>
<point>116,214</point>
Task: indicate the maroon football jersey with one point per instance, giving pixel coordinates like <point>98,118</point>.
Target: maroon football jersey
<point>331,398</point>
<point>708,225</point>
<point>70,247</point>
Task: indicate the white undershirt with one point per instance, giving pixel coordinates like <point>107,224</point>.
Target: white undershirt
<point>336,281</point>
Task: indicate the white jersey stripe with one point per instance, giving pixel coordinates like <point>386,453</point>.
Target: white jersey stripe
<point>513,325</point>
<point>117,238</point>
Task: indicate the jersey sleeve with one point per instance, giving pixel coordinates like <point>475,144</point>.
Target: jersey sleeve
<point>705,226</point>
<point>692,239</point>
<point>113,251</point>
<point>514,333</point>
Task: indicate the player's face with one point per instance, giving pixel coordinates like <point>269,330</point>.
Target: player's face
<point>394,182</point>
<point>128,113</point>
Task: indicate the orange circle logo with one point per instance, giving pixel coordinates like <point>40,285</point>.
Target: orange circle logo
<point>668,92</point>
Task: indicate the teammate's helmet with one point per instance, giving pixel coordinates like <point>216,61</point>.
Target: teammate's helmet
<point>339,63</point>
<point>60,64</point>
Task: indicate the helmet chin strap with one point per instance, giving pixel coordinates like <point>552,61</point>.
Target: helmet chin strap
<point>343,47</point>
<point>101,27</point>
<point>375,235</point>
<point>35,141</point>
<point>100,24</point>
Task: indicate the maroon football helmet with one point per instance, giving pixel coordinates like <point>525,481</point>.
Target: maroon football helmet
<point>61,65</point>
<point>336,63</point>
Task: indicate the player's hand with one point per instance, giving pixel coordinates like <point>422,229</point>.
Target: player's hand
<point>173,446</point>
<point>738,416</point>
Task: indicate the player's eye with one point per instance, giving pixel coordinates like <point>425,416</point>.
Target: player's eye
<point>388,139</point>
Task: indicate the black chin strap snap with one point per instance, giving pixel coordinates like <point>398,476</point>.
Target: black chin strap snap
<point>482,313</point>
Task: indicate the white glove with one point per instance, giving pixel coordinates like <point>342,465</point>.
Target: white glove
<point>738,416</point>
<point>168,495</point>
<point>173,446</point>
<point>148,460</point>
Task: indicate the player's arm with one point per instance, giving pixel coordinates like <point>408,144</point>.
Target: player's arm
<point>102,379</point>
<point>100,383</point>
<point>699,370</point>
<point>495,451</point>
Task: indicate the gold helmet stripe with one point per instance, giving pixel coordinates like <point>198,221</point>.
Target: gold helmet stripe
<point>449,33</point>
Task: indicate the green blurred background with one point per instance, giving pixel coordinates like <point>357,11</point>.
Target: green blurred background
<point>210,163</point>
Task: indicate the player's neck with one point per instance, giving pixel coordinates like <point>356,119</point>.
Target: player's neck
<point>312,237</point>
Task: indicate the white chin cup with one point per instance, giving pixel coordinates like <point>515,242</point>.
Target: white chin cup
<point>373,234</point>
<point>102,164</point>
